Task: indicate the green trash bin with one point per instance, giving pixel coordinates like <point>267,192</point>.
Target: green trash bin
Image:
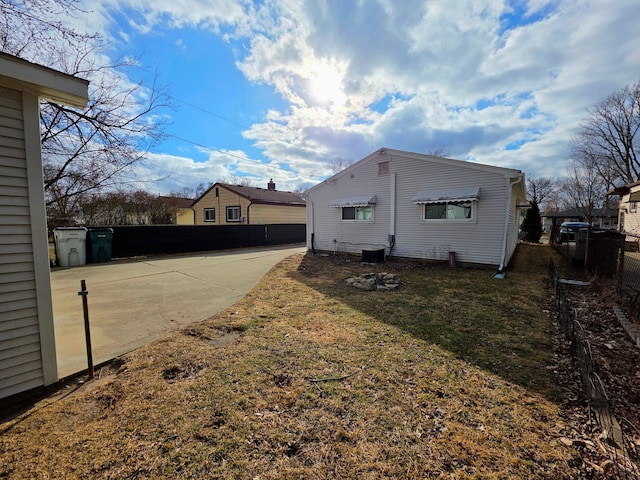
<point>100,240</point>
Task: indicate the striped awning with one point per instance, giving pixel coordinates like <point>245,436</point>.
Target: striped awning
<point>464,194</point>
<point>359,201</point>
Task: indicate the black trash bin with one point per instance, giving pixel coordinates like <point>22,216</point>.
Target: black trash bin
<point>100,241</point>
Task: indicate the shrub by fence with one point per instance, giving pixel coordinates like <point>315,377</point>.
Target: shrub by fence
<point>132,241</point>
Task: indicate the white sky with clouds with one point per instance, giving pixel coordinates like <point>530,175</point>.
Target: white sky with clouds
<point>281,88</point>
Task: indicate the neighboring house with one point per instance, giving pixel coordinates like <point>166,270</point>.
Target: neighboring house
<point>224,204</point>
<point>184,214</point>
<point>421,206</point>
<point>605,218</point>
<point>629,208</point>
<point>27,343</point>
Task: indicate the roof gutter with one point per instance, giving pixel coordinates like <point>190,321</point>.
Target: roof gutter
<point>505,235</point>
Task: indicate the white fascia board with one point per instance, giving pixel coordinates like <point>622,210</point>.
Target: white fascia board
<point>44,82</point>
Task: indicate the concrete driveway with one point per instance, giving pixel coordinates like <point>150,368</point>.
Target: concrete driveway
<point>134,302</point>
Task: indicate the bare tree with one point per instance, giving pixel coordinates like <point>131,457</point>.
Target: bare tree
<point>584,190</point>
<point>184,192</point>
<point>201,188</point>
<point>127,208</point>
<point>556,200</point>
<point>93,149</point>
<point>438,152</point>
<point>608,139</point>
<point>235,180</point>
<point>540,189</point>
<point>338,164</point>
<point>33,29</point>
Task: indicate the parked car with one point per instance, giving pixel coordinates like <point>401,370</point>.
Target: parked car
<point>568,230</point>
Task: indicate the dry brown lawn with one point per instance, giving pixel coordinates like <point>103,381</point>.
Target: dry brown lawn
<point>451,376</point>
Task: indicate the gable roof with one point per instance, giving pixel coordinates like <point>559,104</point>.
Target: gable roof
<point>260,195</point>
<point>390,152</point>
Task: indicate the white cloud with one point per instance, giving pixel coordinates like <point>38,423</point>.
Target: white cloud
<point>163,174</point>
<point>470,77</point>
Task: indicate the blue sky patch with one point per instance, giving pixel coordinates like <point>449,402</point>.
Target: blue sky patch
<point>384,104</point>
<point>515,15</point>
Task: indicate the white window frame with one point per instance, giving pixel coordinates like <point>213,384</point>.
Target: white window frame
<point>233,219</point>
<point>470,219</point>
<point>633,207</point>
<point>356,219</point>
<point>207,214</point>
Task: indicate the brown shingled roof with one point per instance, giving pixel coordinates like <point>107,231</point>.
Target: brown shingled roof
<point>178,202</point>
<point>262,195</point>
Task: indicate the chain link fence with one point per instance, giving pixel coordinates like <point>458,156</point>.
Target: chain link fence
<point>629,276</point>
<point>608,255</point>
<point>620,447</point>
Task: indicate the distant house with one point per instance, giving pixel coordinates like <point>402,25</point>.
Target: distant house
<point>225,204</point>
<point>605,218</point>
<point>421,206</point>
<point>184,214</point>
<point>27,344</point>
<point>629,208</point>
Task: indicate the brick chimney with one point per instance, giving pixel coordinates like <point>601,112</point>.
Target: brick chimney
<point>271,185</point>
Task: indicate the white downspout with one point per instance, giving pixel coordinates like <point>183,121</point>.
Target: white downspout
<point>392,212</point>
<point>506,221</point>
<point>310,224</point>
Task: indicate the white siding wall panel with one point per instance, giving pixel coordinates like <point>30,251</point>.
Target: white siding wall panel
<point>17,352</point>
<point>12,324</point>
<point>477,242</point>
<point>353,237</point>
<point>20,341</point>
<point>20,358</point>
<point>27,377</point>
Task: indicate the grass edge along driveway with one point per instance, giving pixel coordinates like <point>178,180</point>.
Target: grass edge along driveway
<point>451,376</point>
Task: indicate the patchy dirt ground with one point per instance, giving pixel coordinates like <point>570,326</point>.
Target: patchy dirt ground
<point>450,376</point>
<point>616,361</point>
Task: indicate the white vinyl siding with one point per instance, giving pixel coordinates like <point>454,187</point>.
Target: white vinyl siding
<point>352,236</point>
<point>20,357</point>
<point>479,240</point>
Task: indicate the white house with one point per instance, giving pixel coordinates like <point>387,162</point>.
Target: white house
<point>27,344</point>
<point>419,206</point>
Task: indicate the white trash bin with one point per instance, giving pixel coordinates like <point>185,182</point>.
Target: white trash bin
<point>71,246</point>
